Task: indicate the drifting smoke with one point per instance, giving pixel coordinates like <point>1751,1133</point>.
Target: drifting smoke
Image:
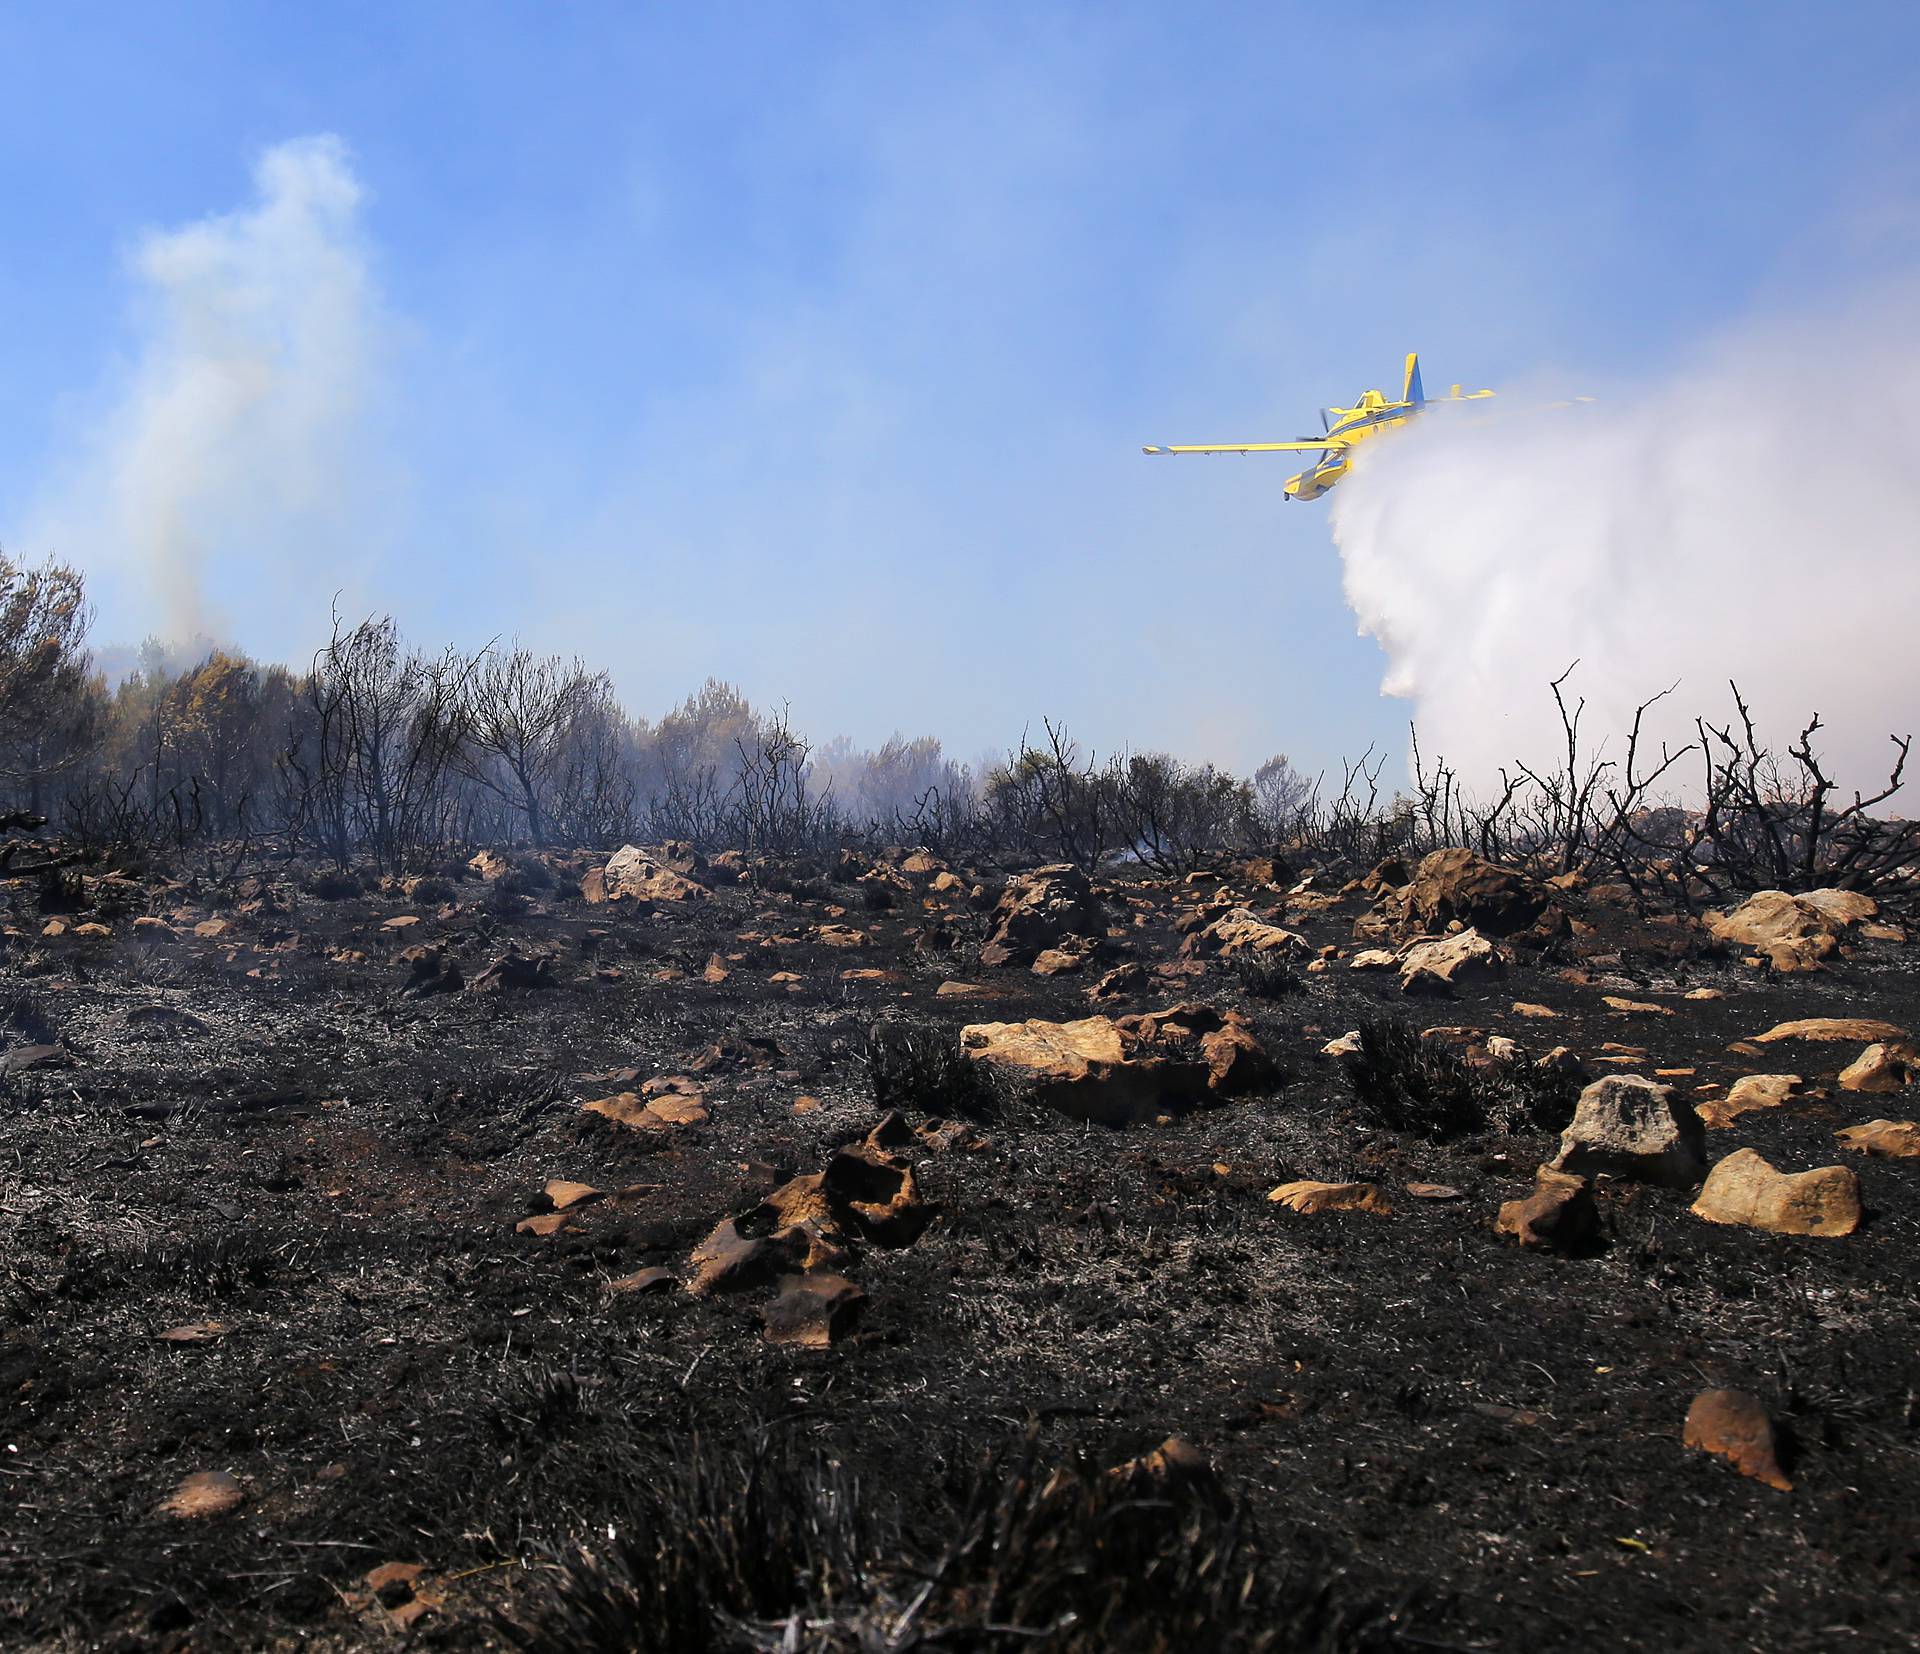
<point>233,445</point>
<point>1755,517</point>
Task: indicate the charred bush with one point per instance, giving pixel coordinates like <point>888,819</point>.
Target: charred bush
<point>1413,1086</point>
<point>1420,1088</point>
<point>920,1066</point>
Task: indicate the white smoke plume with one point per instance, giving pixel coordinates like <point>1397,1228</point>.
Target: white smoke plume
<point>1754,516</point>
<point>231,448</point>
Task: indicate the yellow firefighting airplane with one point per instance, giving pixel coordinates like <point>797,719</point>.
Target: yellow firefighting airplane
<point>1346,428</point>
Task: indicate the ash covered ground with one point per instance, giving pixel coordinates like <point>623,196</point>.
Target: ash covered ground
<point>334,1316</point>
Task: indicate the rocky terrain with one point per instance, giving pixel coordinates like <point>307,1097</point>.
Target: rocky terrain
<point>648,1252</point>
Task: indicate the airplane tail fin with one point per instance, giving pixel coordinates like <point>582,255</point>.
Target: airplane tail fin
<point>1413,391</point>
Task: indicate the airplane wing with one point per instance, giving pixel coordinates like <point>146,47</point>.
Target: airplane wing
<point>1316,445</point>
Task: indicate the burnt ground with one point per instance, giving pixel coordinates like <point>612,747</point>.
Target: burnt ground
<point>1428,1437</point>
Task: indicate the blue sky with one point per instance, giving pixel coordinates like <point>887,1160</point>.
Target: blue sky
<point>812,346</point>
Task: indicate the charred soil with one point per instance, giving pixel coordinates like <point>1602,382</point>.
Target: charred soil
<point>308,1338</point>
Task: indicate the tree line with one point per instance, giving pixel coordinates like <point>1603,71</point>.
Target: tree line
<point>382,753</point>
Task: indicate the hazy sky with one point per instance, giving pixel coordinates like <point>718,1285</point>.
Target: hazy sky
<point>812,346</point>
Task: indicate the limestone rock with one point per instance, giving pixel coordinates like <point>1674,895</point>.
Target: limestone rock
<point>1879,1069</point>
<point>1239,930</point>
<point>1559,1215</point>
<point>1750,1092</point>
<point>1039,910</point>
<point>1832,1028</point>
<point>1456,884</point>
<point>1119,1071</point>
<point>1896,1139</point>
<point>1455,961</point>
<point>812,1311</point>
<point>633,874</point>
<point>1634,1128</point>
<point>1745,1189</point>
<point>1793,933</point>
<point>1735,1426</point>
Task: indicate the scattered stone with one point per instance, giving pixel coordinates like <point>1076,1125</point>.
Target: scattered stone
<point>1752,1091</point>
<point>1864,1029</point>
<point>1735,1426</point>
<point>1373,959</point>
<point>1634,1128</point>
<point>1347,1045</point>
<point>812,1311</point>
<point>195,1332</point>
<point>1119,982</point>
<point>963,990</point>
<point>716,971</point>
<point>653,1279</point>
<point>1562,1059</point>
<point>1503,1049</point>
<point>1895,1139</point>
<point>1524,1008</point>
<point>659,1113</point>
<point>1635,1007</point>
<point>1311,1198</point>
<point>1746,1189</point>
<point>1559,1215</point>
<point>1879,1069</point>
<point>806,1105</point>
<point>1037,911</point>
<point>1441,966</point>
<point>841,936</point>
<point>1433,1191</point>
<point>204,1494</point>
<point>1070,956</point>
<point>543,1224</point>
<point>1700,995</point>
<point>562,1194</point>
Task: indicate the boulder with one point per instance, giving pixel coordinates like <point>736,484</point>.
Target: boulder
<point>1455,884</point>
<point>1239,930</point>
<point>640,876</point>
<point>1896,1139</point>
<point>1746,1189</point>
<point>1439,967</point>
<point>1881,1068</point>
<point>1733,1425</point>
<point>1794,933</point>
<point>1630,1127</point>
<point>1120,1071</point>
<point>1559,1215</point>
<point>1039,910</point>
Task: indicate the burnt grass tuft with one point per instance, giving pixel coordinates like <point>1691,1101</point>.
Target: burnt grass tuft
<point>260,1216</point>
<point>776,1546</point>
<point>920,1066</point>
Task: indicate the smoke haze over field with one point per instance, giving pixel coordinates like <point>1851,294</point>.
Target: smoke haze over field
<point>1750,516</point>
<point>230,452</point>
